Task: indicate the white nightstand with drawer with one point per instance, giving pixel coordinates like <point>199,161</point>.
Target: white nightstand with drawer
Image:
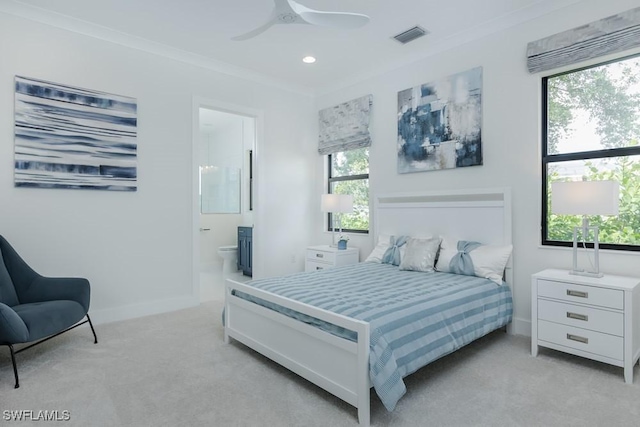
<point>325,256</point>
<point>596,318</point>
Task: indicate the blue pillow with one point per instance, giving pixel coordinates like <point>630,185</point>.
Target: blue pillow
<point>392,255</point>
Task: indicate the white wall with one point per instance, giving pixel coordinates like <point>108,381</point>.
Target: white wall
<point>136,248</point>
<point>511,139</point>
<point>227,143</point>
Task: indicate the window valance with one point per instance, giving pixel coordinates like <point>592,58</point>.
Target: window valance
<point>609,35</point>
<point>345,126</point>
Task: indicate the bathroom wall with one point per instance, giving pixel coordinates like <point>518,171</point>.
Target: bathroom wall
<point>249,143</point>
<point>225,143</point>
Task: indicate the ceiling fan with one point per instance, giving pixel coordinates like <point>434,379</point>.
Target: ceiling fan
<point>291,12</point>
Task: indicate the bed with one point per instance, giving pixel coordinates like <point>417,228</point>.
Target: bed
<point>335,335</point>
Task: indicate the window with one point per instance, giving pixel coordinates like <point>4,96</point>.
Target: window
<point>591,130</point>
<point>349,174</point>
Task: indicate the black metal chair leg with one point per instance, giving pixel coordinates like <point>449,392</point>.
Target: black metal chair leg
<point>13,353</point>
<point>15,368</point>
<point>95,337</point>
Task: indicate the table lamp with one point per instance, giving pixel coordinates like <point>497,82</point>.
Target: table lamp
<point>585,198</point>
<point>336,204</point>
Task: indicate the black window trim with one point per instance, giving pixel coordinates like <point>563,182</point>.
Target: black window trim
<point>583,155</point>
<point>331,180</point>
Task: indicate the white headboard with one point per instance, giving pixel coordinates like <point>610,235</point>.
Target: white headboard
<point>481,215</point>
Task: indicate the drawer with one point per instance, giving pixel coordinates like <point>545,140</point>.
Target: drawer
<point>592,295</point>
<point>594,319</point>
<point>328,257</point>
<point>581,339</point>
<point>310,265</point>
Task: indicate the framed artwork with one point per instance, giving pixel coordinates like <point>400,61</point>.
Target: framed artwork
<point>68,137</point>
<point>440,124</point>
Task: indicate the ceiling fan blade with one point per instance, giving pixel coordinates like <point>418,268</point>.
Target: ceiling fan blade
<point>335,19</point>
<point>273,19</point>
<point>343,20</point>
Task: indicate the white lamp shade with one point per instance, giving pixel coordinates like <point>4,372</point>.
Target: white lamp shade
<point>337,203</point>
<point>585,197</point>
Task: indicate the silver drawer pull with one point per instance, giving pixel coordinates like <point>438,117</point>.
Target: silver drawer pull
<point>319,255</point>
<point>577,316</point>
<point>577,294</point>
<point>583,340</point>
<point>319,268</point>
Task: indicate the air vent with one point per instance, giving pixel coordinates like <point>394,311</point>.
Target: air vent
<point>410,35</point>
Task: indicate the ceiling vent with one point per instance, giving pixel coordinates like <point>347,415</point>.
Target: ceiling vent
<point>410,35</point>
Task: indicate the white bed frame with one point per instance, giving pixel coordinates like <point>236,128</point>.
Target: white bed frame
<point>338,365</point>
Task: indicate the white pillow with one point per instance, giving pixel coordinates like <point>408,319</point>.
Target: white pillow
<point>378,252</point>
<point>420,254</point>
<point>489,261</point>
<point>383,244</point>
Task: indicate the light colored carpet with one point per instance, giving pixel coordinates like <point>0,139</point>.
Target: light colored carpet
<point>174,370</point>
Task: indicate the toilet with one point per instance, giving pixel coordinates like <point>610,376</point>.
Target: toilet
<point>230,256</point>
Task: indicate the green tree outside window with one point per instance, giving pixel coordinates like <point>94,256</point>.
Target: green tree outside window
<point>349,174</point>
<point>592,131</point>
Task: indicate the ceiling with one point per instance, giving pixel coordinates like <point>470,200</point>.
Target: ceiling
<point>200,31</point>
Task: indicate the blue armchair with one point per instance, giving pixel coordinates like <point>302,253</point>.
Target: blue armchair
<point>37,308</point>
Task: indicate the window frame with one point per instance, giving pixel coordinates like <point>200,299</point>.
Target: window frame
<point>547,159</point>
<point>330,180</point>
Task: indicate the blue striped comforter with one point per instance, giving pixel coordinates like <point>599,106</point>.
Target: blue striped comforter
<point>415,318</point>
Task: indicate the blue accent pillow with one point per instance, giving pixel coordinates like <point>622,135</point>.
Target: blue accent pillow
<point>473,259</point>
<point>392,254</point>
<point>461,263</point>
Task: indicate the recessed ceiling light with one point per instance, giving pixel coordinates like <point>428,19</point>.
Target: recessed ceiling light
<point>308,59</point>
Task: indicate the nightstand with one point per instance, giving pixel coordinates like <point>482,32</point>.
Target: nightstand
<point>596,318</point>
<point>325,256</point>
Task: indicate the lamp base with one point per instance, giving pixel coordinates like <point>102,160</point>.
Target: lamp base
<point>586,273</point>
<point>585,233</point>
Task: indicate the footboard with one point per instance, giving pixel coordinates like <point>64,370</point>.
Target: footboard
<point>337,365</point>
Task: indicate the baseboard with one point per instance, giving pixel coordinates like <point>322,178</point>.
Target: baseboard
<point>521,327</point>
<point>133,311</point>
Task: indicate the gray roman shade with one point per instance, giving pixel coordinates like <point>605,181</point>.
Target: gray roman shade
<point>345,126</point>
<point>609,35</point>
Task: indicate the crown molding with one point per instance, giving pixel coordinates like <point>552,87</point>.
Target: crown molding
<point>79,26</point>
<point>483,30</point>
<point>54,19</point>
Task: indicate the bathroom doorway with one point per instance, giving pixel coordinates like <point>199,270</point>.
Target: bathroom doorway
<point>225,146</point>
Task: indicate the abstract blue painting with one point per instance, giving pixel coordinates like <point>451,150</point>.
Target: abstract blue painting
<point>68,137</point>
<point>440,124</point>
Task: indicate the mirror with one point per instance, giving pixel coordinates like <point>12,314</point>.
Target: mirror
<point>219,189</point>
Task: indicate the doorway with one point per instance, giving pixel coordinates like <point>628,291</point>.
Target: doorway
<point>225,139</point>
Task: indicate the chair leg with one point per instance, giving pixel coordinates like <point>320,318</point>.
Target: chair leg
<point>95,337</point>
<point>13,353</point>
<point>15,368</point>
